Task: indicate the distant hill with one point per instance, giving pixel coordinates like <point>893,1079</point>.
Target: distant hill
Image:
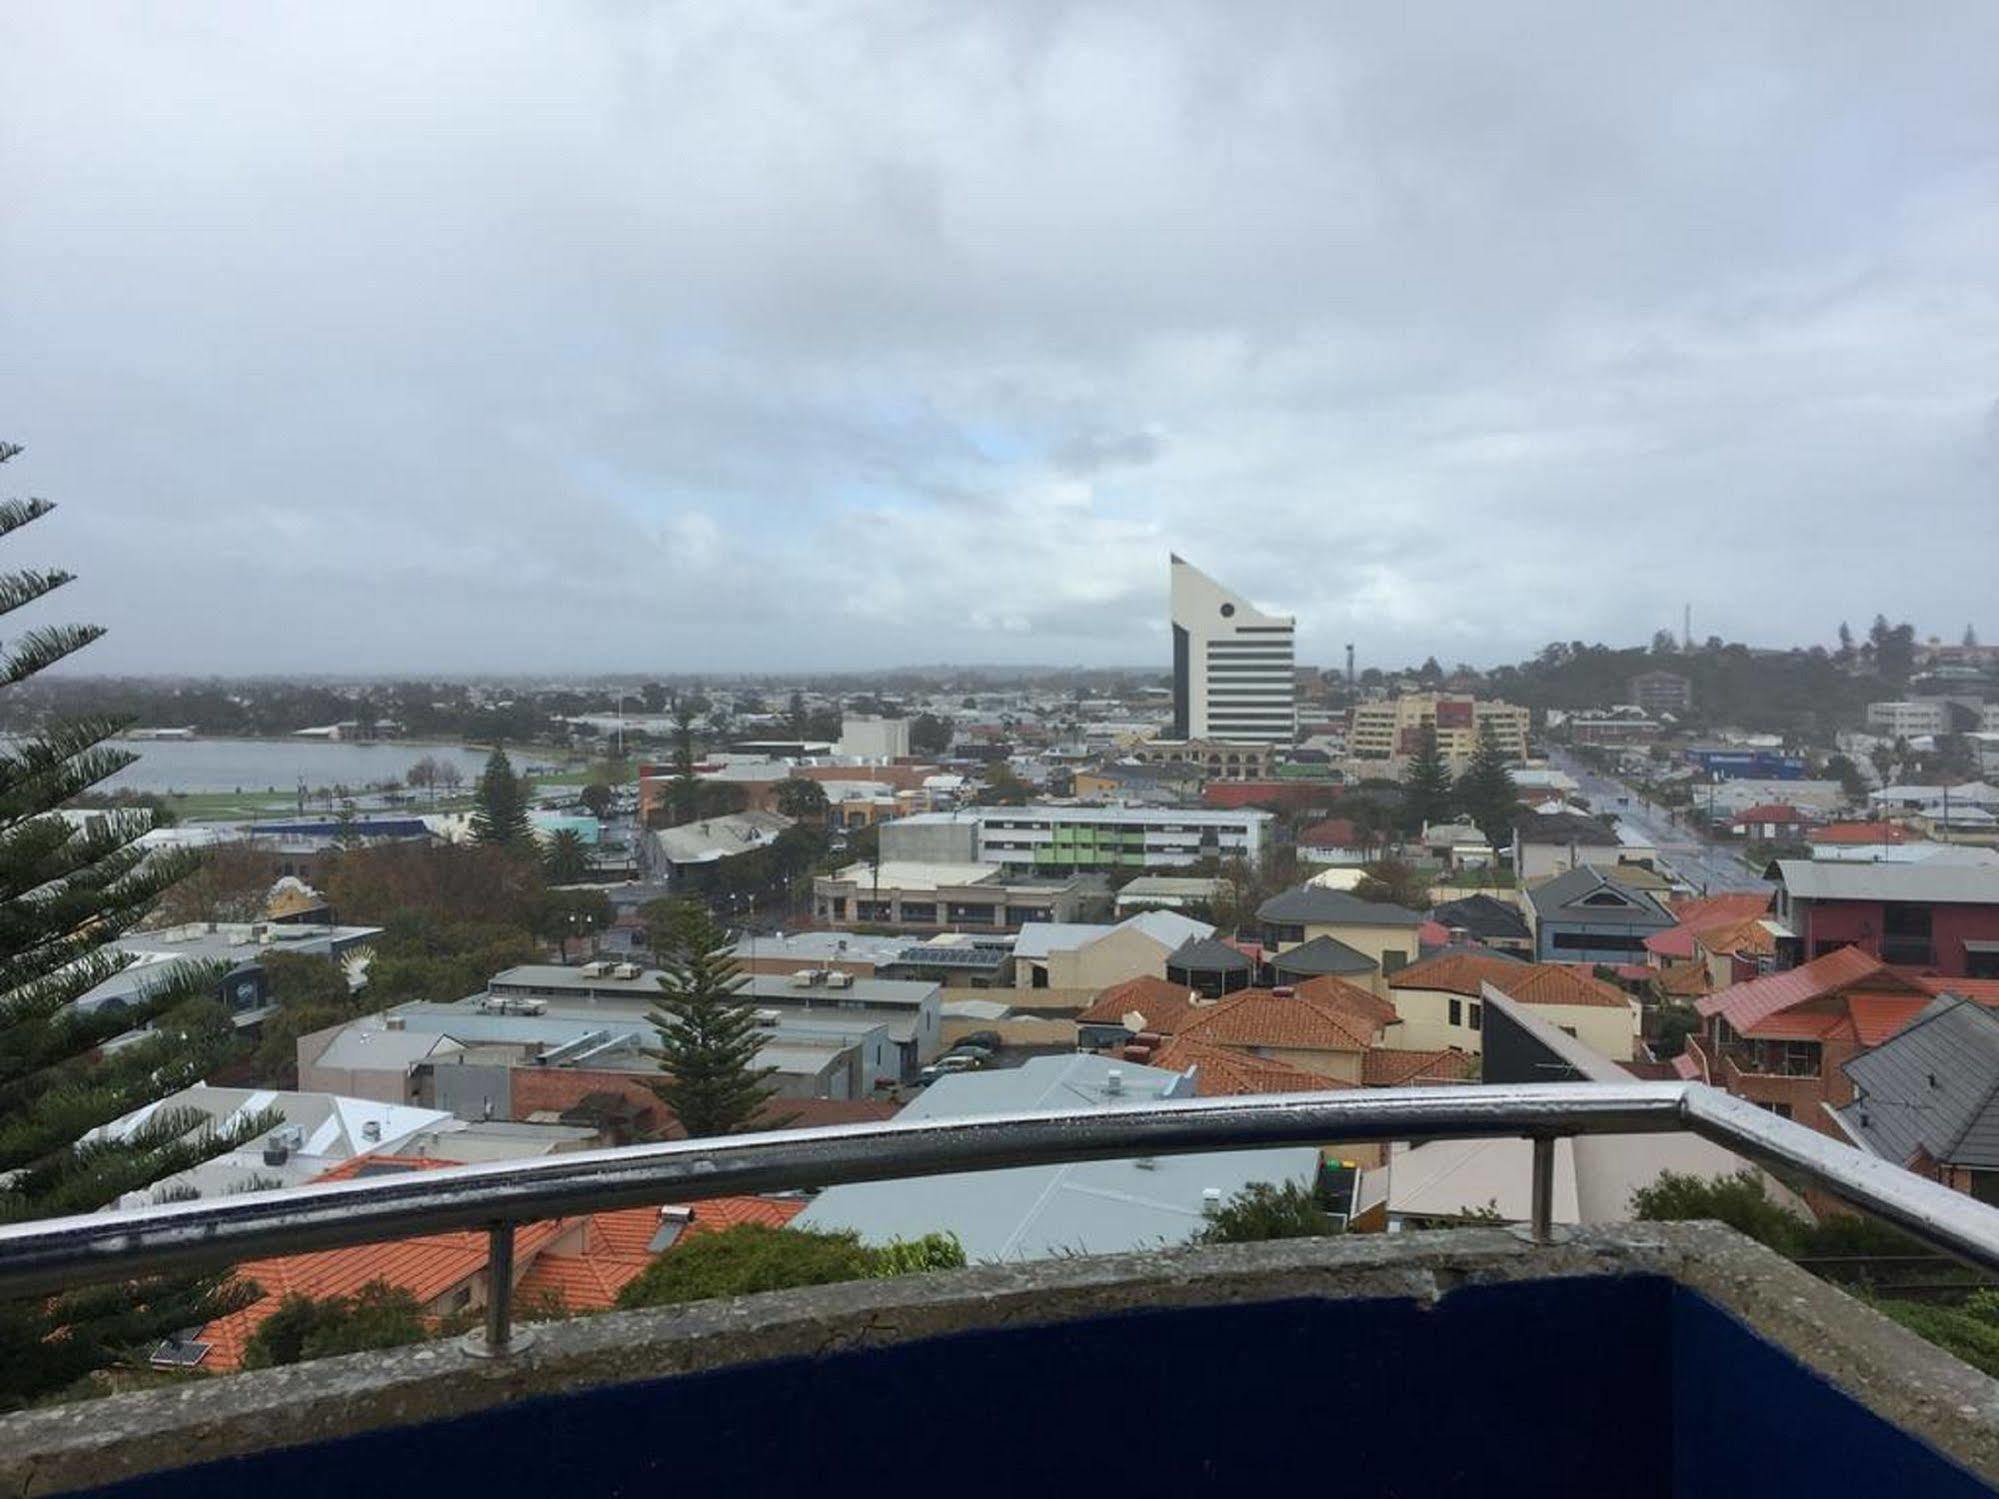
<point>1797,692</point>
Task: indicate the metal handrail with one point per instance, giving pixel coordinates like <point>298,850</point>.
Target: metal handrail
<point>61,1253</point>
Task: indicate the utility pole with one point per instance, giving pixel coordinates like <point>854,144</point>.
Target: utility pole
<point>1687,631</point>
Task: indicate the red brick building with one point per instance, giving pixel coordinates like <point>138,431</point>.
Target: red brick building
<point>1937,916</point>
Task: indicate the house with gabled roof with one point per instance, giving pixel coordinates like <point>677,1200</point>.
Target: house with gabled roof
<point>1385,934</point>
<point>1782,1041</point>
<point>1588,915</point>
<point>1927,1098</point>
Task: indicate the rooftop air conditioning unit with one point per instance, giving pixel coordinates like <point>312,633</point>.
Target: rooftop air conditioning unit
<point>595,970</point>
<point>805,978</point>
<point>835,979</point>
<point>394,1022</point>
<point>371,1130</point>
<point>768,1019</point>
<point>626,971</point>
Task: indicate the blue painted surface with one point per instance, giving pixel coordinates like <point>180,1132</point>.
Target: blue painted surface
<point>1627,1386</point>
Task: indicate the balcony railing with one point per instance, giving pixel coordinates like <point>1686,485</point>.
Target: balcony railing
<point>1744,1061</point>
<point>62,1253</point>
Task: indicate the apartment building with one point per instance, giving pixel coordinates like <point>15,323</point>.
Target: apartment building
<point>1908,720</point>
<point>1661,692</point>
<point>1065,838</point>
<point>1388,730</point>
<point>1234,667</point>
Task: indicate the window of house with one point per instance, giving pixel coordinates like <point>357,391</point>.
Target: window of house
<point>1393,960</point>
<point>1457,1012</point>
<point>1474,1014</point>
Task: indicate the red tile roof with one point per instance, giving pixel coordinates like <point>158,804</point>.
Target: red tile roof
<point>1713,910</point>
<point>1456,973</point>
<point>1299,1021</point>
<point>1226,1073</point>
<point>1163,1005</point>
<point>1562,984</point>
<point>1876,1017</point>
<point>582,1261</point>
<point>1745,1006</point>
<point>1862,832</point>
<point>1392,1067</point>
<point>1683,980</point>
<point>1984,991</point>
<point>1333,832</point>
<point>1749,937</point>
<point>1674,942</point>
<point>1771,812</point>
<point>1341,994</point>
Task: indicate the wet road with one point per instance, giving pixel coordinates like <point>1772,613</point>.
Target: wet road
<point>1709,867</point>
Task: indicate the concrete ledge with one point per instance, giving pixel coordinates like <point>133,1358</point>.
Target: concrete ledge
<point>1907,1382</point>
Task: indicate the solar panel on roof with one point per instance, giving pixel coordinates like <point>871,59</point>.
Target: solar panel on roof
<point>178,1353</point>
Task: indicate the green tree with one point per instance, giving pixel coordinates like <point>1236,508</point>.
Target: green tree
<point>1486,792</point>
<point>1260,1211</point>
<point>66,890</point>
<point>1002,788</point>
<point>563,914</point>
<point>801,798</point>
<point>597,798</point>
<point>566,859</point>
<point>378,1315</point>
<point>708,1039</point>
<point>929,734</point>
<point>683,789</point>
<point>1427,793</point>
<point>500,811</point>
<point>1738,1200</point>
<point>1394,882</point>
<point>1852,784</point>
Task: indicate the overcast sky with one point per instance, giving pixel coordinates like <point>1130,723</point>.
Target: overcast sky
<point>404,337</point>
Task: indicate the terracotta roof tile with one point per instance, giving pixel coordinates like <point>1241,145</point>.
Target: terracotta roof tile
<point>1561,984</point>
<point>1227,1073</point>
<point>1392,1067</point>
<point>1298,1021</point>
<point>1163,1005</point>
<point>1457,973</point>
<point>585,1261</point>
<point>1364,1003</point>
<point>1683,980</point>
<point>1744,1005</point>
<point>1714,910</point>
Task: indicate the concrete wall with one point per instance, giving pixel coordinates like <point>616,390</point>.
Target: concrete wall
<point>1426,1020</point>
<point>955,842</point>
<point>1126,953</point>
<point>471,1092</point>
<point>1612,1032</point>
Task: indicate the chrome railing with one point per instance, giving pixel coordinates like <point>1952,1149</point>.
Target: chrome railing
<point>61,1253</point>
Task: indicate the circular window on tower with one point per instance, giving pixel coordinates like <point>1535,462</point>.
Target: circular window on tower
<point>1228,611</point>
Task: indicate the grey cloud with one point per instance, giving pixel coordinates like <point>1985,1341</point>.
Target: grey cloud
<point>547,335</point>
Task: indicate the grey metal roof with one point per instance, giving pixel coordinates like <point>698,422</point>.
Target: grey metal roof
<point>1207,955</point>
<point>1563,828</point>
<point>1567,895</point>
<point>1314,905</point>
<point>1933,1086</point>
<point>1323,955</point>
<point>1945,882</point>
<point>1090,1207</point>
<point>1483,916</point>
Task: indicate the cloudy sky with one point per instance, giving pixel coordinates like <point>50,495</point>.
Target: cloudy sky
<point>546,336</point>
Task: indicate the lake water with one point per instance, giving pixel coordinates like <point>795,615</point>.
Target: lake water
<point>261,764</point>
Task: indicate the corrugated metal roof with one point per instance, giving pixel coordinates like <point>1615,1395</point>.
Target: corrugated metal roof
<point>1933,1088</point>
<point>1940,881</point>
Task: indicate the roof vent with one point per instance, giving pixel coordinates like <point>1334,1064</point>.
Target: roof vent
<point>1283,991</point>
<point>394,1022</point>
<point>371,1130</point>
<point>1933,1079</point>
<point>1211,1201</point>
<point>1114,1081</point>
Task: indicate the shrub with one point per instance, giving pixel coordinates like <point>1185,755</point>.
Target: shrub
<point>751,1257</point>
<point>1260,1211</point>
<point>1739,1201</point>
<point>1969,1332</point>
<point>376,1316</point>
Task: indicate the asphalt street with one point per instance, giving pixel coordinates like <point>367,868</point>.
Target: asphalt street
<point>1709,867</point>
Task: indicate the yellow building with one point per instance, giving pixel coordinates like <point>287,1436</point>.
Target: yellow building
<point>1390,730</point>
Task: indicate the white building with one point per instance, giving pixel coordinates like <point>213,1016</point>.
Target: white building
<point>865,737</point>
<point>1907,720</point>
<point>1234,667</point>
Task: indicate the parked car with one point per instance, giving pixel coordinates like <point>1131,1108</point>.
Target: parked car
<point>990,1040</point>
<point>946,1066</point>
<point>967,1049</point>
